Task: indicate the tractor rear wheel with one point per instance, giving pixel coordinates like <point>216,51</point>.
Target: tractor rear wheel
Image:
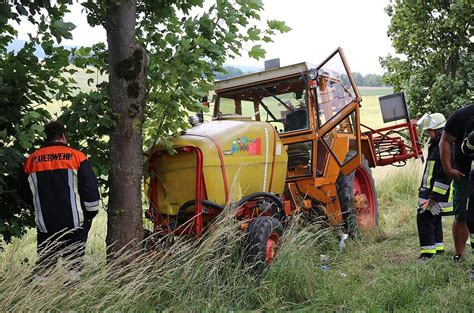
<point>358,197</point>
<point>262,241</point>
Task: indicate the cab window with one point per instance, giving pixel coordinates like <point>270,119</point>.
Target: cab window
<point>282,104</point>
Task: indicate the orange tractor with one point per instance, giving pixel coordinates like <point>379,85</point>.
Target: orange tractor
<point>287,139</point>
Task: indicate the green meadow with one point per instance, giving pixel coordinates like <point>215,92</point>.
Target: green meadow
<point>375,272</point>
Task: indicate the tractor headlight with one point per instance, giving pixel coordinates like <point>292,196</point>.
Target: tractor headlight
<point>193,120</point>
<point>312,74</point>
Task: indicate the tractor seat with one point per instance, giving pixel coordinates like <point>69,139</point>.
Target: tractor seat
<point>295,120</point>
<point>299,154</point>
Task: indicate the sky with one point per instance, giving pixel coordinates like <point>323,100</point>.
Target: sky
<point>359,27</point>
<point>318,28</point>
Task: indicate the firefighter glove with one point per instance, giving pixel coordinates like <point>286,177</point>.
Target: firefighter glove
<point>422,206</point>
<point>434,207</point>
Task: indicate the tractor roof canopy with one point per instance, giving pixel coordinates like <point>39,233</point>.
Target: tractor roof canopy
<point>261,77</point>
<point>282,96</point>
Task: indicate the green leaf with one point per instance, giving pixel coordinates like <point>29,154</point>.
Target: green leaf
<point>34,115</point>
<point>23,140</point>
<point>257,52</point>
<point>5,12</point>
<point>37,127</point>
<point>255,4</point>
<point>62,29</point>
<point>278,25</point>
<point>254,33</point>
<point>21,9</point>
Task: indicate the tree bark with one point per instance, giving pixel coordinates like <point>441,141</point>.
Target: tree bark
<point>127,76</point>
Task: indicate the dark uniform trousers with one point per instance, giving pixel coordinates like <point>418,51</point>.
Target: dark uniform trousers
<point>70,244</point>
<point>430,232</point>
<point>435,186</point>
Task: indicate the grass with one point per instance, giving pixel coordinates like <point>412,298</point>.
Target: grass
<point>375,91</point>
<point>375,273</point>
<point>370,113</point>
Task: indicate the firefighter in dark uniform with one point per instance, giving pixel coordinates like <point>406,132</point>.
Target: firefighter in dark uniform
<point>60,185</point>
<point>457,166</point>
<point>434,198</point>
<point>467,148</point>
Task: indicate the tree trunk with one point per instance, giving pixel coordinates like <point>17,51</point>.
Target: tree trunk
<point>127,74</point>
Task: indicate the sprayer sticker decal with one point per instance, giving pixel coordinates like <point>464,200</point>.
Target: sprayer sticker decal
<point>240,144</point>
<point>253,146</point>
<point>278,149</point>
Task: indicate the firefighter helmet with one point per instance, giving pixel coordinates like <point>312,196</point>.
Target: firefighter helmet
<point>432,121</point>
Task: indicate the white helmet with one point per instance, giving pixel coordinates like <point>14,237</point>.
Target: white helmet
<point>431,121</point>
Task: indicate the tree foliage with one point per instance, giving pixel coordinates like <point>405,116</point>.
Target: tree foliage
<point>185,51</point>
<point>436,63</point>
<point>87,113</point>
<point>26,83</point>
<point>369,80</point>
<point>186,44</point>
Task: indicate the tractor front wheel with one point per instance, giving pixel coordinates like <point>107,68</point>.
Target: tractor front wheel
<point>358,198</point>
<point>262,241</point>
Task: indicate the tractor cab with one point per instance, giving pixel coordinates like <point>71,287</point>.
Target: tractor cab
<point>313,109</point>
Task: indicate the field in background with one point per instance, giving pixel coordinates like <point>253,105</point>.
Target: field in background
<point>84,81</point>
<point>375,91</point>
<point>370,112</point>
<point>370,109</point>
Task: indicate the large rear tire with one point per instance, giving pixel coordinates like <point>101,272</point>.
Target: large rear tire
<point>358,197</point>
<point>262,241</point>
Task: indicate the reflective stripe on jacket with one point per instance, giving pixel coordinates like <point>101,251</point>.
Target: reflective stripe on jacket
<point>435,184</point>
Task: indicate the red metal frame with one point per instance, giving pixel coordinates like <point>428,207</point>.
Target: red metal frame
<point>390,147</point>
<point>221,158</point>
<point>200,192</point>
<point>194,225</point>
<point>198,223</point>
<point>270,250</point>
<point>249,210</point>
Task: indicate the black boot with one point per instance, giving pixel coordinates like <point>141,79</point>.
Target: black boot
<point>425,256</point>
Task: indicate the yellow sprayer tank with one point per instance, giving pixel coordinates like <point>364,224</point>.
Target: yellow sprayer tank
<point>241,156</point>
